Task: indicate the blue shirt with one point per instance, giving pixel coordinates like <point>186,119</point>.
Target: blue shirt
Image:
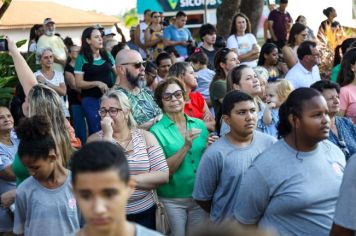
<point>347,136</point>
<point>270,129</point>
<point>174,34</point>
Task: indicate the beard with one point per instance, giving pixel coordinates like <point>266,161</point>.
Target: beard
<point>135,81</point>
<point>50,32</point>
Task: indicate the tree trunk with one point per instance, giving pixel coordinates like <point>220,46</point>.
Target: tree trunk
<point>228,8</point>
<point>253,10</point>
<point>224,14</point>
<point>4,6</point>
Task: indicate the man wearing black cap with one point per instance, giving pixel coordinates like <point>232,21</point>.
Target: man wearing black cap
<point>279,22</point>
<point>49,39</point>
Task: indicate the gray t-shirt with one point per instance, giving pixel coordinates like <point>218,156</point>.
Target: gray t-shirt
<point>140,231</point>
<point>292,193</point>
<point>345,213</point>
<point>221,170</point>
<point>7,156</point>
<point>43,211</point>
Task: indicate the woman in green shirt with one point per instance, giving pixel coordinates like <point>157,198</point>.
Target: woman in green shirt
<point>183,140</point>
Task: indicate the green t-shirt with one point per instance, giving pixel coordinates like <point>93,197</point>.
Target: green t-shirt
<point>143,105</point>
<point>20,170</point>
<point>217,91</point>
<point>181,183</point>
<point>335,72</point>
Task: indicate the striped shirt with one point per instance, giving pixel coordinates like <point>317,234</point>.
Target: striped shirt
<point>142,160</point>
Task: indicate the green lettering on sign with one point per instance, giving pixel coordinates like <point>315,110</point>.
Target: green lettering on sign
<point>173,3</point>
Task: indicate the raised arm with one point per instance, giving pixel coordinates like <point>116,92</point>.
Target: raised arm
<point>24,73</point>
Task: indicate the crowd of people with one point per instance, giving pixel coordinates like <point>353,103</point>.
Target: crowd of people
<point>228,136</point>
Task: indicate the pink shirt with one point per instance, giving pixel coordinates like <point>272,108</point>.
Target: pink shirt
<point>348,101</point>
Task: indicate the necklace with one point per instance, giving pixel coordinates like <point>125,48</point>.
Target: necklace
<point>124,143</point>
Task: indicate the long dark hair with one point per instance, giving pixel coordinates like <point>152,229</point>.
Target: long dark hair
<point>233,29</point>
<point>297,28</point>
<point>346,44</point>
<point>85,49</point>
<point>346,75</point>
<point>267,48</point>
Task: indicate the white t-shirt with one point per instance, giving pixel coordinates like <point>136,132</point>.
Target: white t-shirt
<point>300,77</point>
<point>57,79</point>
<point>143,27</point>
<point>243,44</point>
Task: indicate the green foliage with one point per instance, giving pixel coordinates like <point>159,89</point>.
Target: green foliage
<point>8,76</point>
<point>131,18</point>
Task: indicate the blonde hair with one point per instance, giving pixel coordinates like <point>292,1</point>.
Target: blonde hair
<point>123,102</point>
<point>282,88</point>
<point>44,101</point>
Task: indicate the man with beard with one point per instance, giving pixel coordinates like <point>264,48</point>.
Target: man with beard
<point>49,39</point>
<point>131,80</point>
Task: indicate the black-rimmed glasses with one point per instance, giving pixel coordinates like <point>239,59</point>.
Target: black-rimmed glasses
<point>168,96</point>
<point>137,65</point>
<point>112,111</point>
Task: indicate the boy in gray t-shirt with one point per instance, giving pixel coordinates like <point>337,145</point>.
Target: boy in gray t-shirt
<point>224,163</point>
<point>102,185</point>
<point>345,213</point>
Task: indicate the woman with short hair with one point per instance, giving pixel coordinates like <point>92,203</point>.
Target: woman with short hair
<point>183,140</point>
<point>195,105</point>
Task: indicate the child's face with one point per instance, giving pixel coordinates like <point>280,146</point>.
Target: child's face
<point>102,197</point>
<point>271,96</point>
<point>242,119</point>
<point>40,169</point>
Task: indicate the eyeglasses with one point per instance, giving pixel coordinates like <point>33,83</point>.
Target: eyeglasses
<point>137,65</point>
<point>168,96</point>
<point>156,16</point>
<point>112,111</point>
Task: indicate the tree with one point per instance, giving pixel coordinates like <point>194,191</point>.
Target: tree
<point>228,8</point>
<point>131,18</point>
<point>5,5</point>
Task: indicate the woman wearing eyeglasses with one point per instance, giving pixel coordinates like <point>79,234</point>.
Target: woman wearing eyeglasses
<point>146,160</point>
<point>195,105</point>
<point>297,35</point>
<point>94,75</point>
<point>342,130</point>
<point>183,140</point>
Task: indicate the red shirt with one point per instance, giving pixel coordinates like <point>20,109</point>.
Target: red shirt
<point>195,107</point>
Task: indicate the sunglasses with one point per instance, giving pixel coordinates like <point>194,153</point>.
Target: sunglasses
<point>168,96</point>
<point>137,65</point>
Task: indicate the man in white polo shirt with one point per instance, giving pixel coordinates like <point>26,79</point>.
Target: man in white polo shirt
<point>306,71</point>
